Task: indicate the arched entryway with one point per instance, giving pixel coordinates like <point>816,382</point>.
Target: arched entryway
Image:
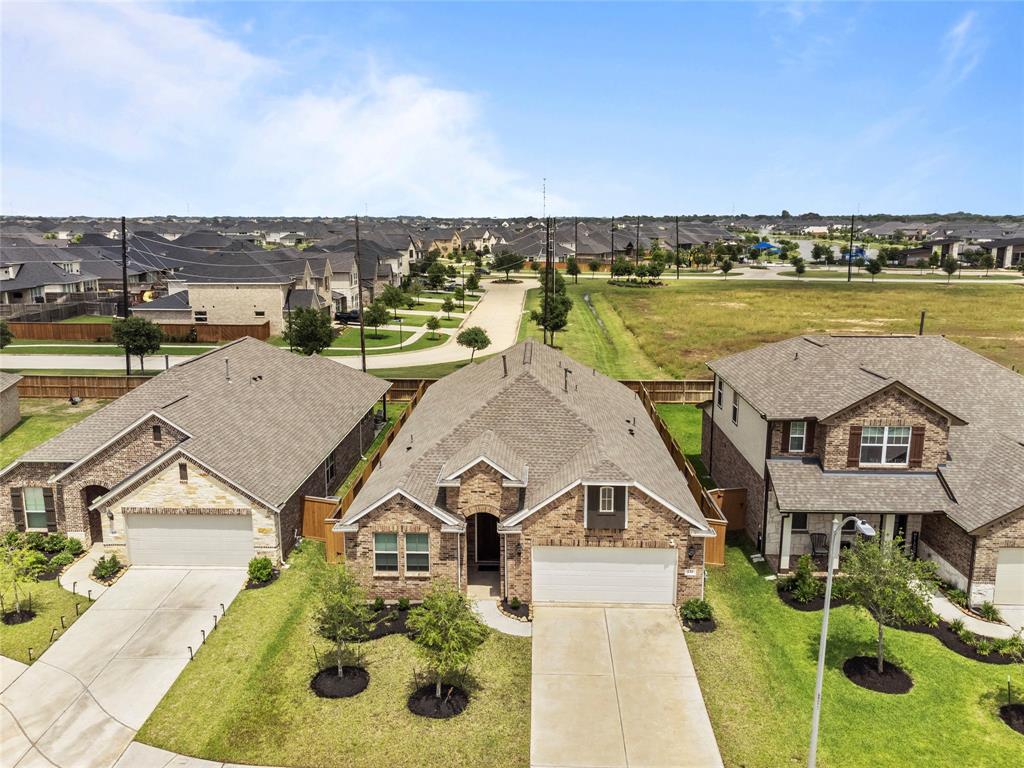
<point>89,494</point>
<point>483,552</point>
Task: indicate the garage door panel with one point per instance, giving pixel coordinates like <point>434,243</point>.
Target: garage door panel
<point>195,540</point>
<point>604,575</point>
<point>1010,577</point>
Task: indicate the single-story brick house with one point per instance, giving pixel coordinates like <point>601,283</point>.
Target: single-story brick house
<point>205,464</point>
<point>537,470</point>
<point>916,434</point>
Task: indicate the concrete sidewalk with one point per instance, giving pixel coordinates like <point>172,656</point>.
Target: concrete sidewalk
<point>615,687</point>
<point>81,703</point>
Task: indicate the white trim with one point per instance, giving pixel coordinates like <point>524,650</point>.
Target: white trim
<point>396,553</point>
<point>454,475</point>
<point>409,572</point>
<point>437,512</point>
<point>138,422</point>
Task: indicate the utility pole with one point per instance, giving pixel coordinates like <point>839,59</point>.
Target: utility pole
<point>359,291</point>
<point>544,198</point>
<point>124,289</point>
<point>576,238</point>
<point>613,239</point>
<point>636,247</point>
<point>677,241</point>
<point>849,255</point>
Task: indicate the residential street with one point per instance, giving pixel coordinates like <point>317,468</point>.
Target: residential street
<point>81,703</point>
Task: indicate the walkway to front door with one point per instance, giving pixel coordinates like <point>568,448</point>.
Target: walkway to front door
<point>615,687</point>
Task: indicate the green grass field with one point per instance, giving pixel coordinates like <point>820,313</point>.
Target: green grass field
<point>416,321</point>
<point>80,319</point>
<point>684,422</point>
<point>757,675</point>
<point>50,601</point>
<point>246,697</point>
<point>839,273</point>
<point>41,419</point>
<point>395,410</point>
<point>29,347</point>
<point>671,331</point>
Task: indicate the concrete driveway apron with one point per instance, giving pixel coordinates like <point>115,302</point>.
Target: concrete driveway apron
<point>614,686</point>
<point>81,703</point>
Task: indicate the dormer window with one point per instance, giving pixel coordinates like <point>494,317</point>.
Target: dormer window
<point>604,506</point>
<point>885,445</point>
<point>607,500</point>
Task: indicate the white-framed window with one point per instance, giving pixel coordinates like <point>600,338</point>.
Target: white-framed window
<point>417,553</point>
<point>884,445</point>
<point>385,552</point>
<point>329,467</point>
<point>606,500</point>
<point>200,315</point>
<point>797,436</point>
<point>735,408</point>
<point>35,507</point>
<point>720,394</point>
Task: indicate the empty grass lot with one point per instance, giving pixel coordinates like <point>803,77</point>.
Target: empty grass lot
<point>671,331</point>
<point>50,602</point>
<point>246,697</point>
<point>902,274</point>
<point>41,419</point>
<point>684,422</point>
<point>757,675</point>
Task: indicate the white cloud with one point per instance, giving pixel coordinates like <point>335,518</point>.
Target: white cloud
<point>140,98</point>
<point>963,49</point>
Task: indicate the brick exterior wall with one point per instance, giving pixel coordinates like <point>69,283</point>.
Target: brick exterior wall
<point>890,408</point>
<point>237,304</point>
<point>951,543</point>
<point>1005,533</point>
<point>32,476</point>
<point>730,469</point>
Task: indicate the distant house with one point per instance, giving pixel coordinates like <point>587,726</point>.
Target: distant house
<point>1008,252</point>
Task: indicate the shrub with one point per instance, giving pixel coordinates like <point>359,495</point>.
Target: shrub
<point>932,620</point>
<point>514,603</point>
<point>840,588</point>
<point>35,540</point>
<point>696,610</point>
<point>1010,646</point>
<point>261,570</point>
<point>73,546</point>
<point>378,604</point>
<point>403,603</point>
<point>805,586</point>
<point>956,626</point>
<point>983,647</point>
<point>957,597</point>
<point>14,540</point>
<point>60,560</point>
<point>989,612</point>
<point>106,567</point>
<point>55,542</point>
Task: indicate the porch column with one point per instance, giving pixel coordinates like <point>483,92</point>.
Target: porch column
<point>888,527</point>
<point>787,530</point>
<point>836,519</point>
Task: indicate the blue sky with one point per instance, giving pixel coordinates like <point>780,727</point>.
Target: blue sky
<point>449,109</point>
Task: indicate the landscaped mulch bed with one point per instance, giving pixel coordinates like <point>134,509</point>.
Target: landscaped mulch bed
<point>453,701</point>
<point>1013,716</point>
<point>863,670</point>
<point>701,625</point>
<point>390,621</point>
<point>951,640</point>
<point>816,604</point>
<point>522,612</point>
<point>11,618</point>
<point>261,584</point>
<point>327,685</point>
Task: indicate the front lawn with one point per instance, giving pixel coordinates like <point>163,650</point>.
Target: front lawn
<point>41,419</point>
<point>50,602</point>
<point>246,697</point>
<point>757,674</point>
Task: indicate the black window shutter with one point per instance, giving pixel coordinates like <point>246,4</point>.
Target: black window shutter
<point>784,445</point>
<point>51,510</point>
<point>19,509</point>
<point>593,499</point>
<point>916,446</point>
<point>620,498</point>
<point>853,448</point>
<point>809,439</point>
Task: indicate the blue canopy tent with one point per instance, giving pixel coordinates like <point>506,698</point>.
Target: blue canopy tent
<point>765,246</point>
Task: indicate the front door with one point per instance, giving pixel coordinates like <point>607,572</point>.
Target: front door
<point>899,530</point>
<point>93,492</point>
<point>487,549</point>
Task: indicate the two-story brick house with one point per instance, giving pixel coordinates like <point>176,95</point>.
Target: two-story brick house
<point>916,434</point>
<point>540,470</point>
<point>205,464</point>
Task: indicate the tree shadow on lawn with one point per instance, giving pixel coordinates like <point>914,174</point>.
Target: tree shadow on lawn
<point>849,636</point>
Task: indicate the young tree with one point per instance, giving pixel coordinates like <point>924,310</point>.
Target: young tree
<point>830,259</point>
<point>138,337</point>
<point>375,316</point>
<point>393,298</point>
<point>343,615</point>
<point>19,568</point>
<point>891,586</point>
<point>621,268</point>
<point>874,267</point>
<point>655,269</point>
<point>309,330</point>
<point>572,269</point>
<point>473,282</point>
<point>475,338</point>
<point>432,325</point>
<point>725,266</point>
<point>933,261</point>
<point>6,334</point>
<point>800,268</point>
<point>821,251</point>
<point>986,262</point>
<point>448,633</point>
<point>447,306</point>
<point>594,266</point>
<point>415,289</point>
<point>949,266</point>
<point>436,275</point>
<point>506,262</point>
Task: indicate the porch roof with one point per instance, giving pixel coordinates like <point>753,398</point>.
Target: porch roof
<point>802,486</point>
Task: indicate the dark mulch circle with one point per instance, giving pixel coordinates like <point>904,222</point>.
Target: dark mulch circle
<point>327,685</point>
<point>816,604</point>
<point>390,621</point>
<point>701,625</point>
<point>18,617</point>
<point>452,702</point>
<point>48,575</point>
<point>523,611</point>
<point>863,670</point>
<point>504,281</point>
<point>261,584</point>
<point>952,641</point>
<point>1013,716</point>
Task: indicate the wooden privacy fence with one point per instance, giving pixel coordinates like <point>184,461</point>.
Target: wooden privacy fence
<point>63,387</point>
<point>180,332</point>
<point>690,391</point>
<point>320,514</point>
<point>714,549</point>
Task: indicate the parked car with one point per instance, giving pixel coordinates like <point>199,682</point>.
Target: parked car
<point>352,316</point>
<point>451,286</point>
<point>483,271</point>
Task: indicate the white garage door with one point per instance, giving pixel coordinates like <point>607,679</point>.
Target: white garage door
<point>604,575</point>
<point>190,539</point>
<point>1010,577</point>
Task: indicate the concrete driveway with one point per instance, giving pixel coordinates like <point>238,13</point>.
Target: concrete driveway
<point>81,703</point>
<point>614,686</point>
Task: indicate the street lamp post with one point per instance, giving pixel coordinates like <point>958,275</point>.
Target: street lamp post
<point>837,525</point>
